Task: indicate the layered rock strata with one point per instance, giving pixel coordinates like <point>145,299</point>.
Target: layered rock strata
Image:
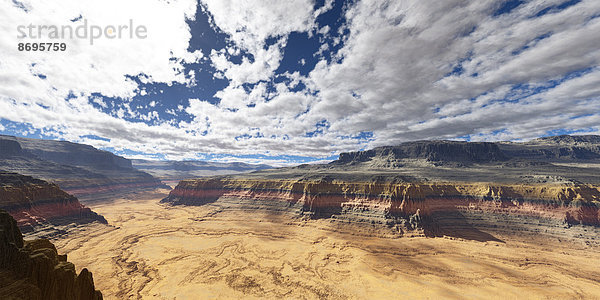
<point>34,203</point>
<point>34,270</point>
<point>431,208</point>
<point>82,170</point>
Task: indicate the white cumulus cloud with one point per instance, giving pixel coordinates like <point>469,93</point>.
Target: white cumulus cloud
<point>405,70</point>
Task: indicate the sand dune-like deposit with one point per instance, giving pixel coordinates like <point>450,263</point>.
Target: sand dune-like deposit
<point>157,251</point>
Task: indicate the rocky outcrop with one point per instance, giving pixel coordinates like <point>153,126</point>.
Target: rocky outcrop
<point>569,140</point>
<point>35,203</point>
<point>82,170</point>
<point>435,188</point>
<point>34,270</point>
<point>430,208</point>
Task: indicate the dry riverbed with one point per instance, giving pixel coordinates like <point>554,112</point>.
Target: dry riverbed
<point>154,251</point>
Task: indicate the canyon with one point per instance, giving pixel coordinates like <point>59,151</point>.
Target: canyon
<point>549,186</point>
<point>425,219</point>
<point>429,209</point>
<point>225,250</point>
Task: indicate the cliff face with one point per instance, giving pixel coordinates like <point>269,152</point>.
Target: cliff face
<point>33,203</point>
<point>548,149</point>
<point>10,148</point>
<point>449,151</point>
<point>431,208</point>
<point>34,270</point>
<point>81,170</point>
<point>546,186</point>
<point>556,148</point>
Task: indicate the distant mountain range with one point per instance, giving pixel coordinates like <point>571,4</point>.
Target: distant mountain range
<point>563,148</point>
<point>170,171</point>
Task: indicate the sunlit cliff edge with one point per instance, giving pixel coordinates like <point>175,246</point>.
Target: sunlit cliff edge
<point>548,186</point>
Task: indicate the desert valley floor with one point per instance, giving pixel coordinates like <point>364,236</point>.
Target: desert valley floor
<point>211,252</point>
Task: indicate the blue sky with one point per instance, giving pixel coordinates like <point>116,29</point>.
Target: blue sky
<point>288,82</point>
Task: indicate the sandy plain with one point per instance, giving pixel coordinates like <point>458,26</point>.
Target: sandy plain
<point>154,251</point>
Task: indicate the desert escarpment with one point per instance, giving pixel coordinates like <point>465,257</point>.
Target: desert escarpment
<point>435,208</point>
<point>548,186</point>
<point>34,270</point>
<point>556,148</point>
<point>548,149</point>
<point>36,203</point>
<point>447,151</point>
<point>81,170</point>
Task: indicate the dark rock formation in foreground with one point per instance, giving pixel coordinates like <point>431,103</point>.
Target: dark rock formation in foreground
<point>36,203</point>
<point>33,269</point>
<point>81,170</point>
<point>546,187</point>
